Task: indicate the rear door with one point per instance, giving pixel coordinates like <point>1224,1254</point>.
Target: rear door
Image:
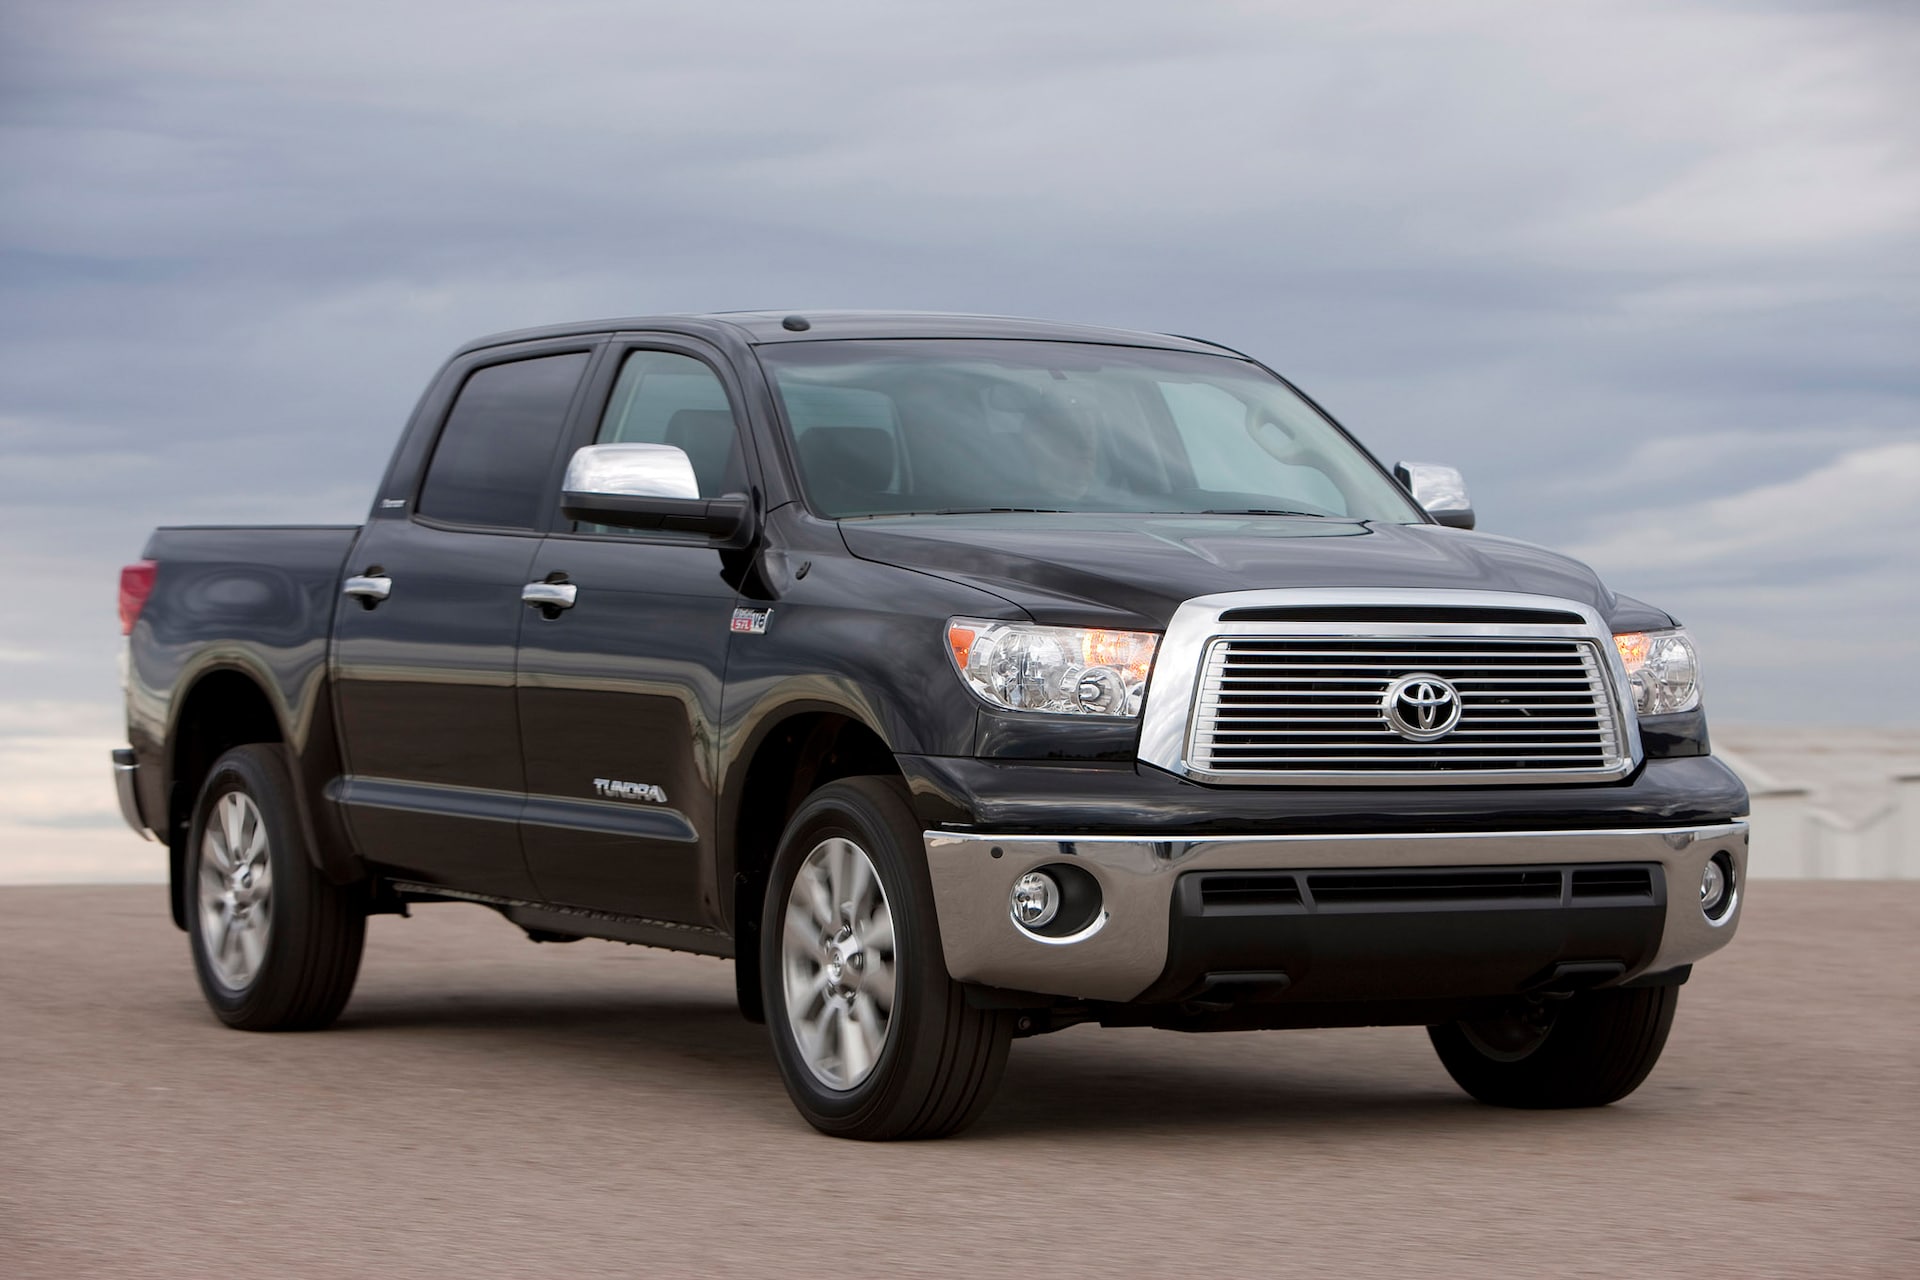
<point>424,677</point>
<point>620,694</point>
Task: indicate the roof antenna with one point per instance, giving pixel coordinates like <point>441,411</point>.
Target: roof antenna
<point>796,324</point>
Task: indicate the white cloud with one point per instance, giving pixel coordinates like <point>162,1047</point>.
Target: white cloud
<point>1810,193</point>
<point>1861,504</point>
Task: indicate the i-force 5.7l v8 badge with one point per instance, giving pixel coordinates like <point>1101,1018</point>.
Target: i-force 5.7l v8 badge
<point>751,622</point>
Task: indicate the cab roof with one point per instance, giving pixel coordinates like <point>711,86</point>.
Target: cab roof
<point>766,327</point>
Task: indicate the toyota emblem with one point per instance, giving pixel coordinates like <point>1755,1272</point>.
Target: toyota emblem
<point>1421,707</point>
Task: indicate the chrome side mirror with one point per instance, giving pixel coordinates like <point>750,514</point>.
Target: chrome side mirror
<point>649,486</point>
<point>632,471</point>
<point>1440,491</point>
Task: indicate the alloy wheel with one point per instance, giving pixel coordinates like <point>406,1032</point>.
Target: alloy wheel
<point>838,963</point>
<point>235,889</point>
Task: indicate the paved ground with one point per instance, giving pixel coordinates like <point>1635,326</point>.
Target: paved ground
<point>489,1107</point>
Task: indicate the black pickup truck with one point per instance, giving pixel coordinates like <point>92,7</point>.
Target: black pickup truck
<point>963,679</point>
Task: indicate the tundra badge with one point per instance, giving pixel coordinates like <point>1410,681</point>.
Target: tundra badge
<point>614,789</point>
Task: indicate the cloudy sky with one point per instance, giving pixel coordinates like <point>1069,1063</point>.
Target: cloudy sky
<point>1649,272</point>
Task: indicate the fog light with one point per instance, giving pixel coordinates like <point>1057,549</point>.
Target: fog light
<point>1716,887</point>
<point>1036,899</point>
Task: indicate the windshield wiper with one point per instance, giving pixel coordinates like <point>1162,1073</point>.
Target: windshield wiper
<point>986,511</point>
<point>1259,511</point>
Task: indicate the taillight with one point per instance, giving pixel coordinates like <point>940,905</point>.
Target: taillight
<point>136,584</point>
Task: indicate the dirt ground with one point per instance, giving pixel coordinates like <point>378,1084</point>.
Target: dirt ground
<point>490,1107</point>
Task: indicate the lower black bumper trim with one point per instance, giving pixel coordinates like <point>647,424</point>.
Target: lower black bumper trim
<point>1408,934</point>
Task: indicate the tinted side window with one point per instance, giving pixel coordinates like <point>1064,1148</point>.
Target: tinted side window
<point>491,462</point>
<point>663,397</point>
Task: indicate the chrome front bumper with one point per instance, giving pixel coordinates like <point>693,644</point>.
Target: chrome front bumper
<point>125,771</point>
<point>1126,949</point>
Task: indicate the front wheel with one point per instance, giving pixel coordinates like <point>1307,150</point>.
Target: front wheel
<point>275,944</point>
<point>1586,1051</point>
<point>872,1038</point>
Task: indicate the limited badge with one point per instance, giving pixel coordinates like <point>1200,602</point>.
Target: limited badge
<point>751,622</point>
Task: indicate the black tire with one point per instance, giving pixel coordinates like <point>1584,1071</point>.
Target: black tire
<point>941,1059</point>
<point>1596,1049</point>
<point>316,929</point>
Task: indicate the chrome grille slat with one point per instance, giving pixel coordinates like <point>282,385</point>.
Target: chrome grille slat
<point>1399,748</point>
<point>1402,655</point>
<point>1504,760</point>
<point>1383,677</point>
<point>1425,663</point>
<point>1388,738</point>
<point>1268,707</point>
<point>1371,711</point>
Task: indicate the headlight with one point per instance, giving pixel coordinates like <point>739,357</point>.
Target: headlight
<point>1065,670</point>
<point>1663,670</point>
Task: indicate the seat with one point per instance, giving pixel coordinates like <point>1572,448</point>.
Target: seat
<point>848,469</point>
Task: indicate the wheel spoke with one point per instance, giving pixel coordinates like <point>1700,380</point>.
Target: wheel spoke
<point>820,1046</point>
<point>802,934</point>
<point>233,820</point>
<point>838,853</point>
<point>253,945</point>
<point>819,896</point>
<point>877,934</point>
<point>229,938</point>
<point>861,884</point>
<point>853,1062</point>
<point>251,831</point>
<point>256,844</point>
<point>213,850</point>
<point>217,924</point>
<point>878,983</point>
<point>804,991</point>
<point>873,1027</point>
<point>213,881</point>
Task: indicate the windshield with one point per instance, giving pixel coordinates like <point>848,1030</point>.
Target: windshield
<point>915,426</point>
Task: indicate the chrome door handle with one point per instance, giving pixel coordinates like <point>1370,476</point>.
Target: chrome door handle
<point>367,589</point>
<point>550,595</point>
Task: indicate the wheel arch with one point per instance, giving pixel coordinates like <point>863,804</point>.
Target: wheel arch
<point>790,754</point>
<point>226,705</point>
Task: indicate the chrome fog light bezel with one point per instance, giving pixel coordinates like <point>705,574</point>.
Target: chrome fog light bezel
<point>1719,909</point>
<point>1074,900</point>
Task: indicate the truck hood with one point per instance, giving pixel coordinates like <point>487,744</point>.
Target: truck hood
<point>1123,570</point>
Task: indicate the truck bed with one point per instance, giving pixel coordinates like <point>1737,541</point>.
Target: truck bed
<point>255,601</point>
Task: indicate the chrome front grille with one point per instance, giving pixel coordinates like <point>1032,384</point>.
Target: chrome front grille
<point>1302,706</point>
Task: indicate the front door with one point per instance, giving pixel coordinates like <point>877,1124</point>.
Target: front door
<point>424,650</point>
<point>620,694</point>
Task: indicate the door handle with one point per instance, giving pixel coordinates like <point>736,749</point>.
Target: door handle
<point>548,596</point>
<point>368,589</point>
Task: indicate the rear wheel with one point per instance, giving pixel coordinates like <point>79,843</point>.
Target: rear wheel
<point>1586,1051</point>
<point>275,944</point>
<point>872,1038</point>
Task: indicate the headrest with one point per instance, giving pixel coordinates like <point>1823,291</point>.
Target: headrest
<point>708,438</point>
<point>848,469</point>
